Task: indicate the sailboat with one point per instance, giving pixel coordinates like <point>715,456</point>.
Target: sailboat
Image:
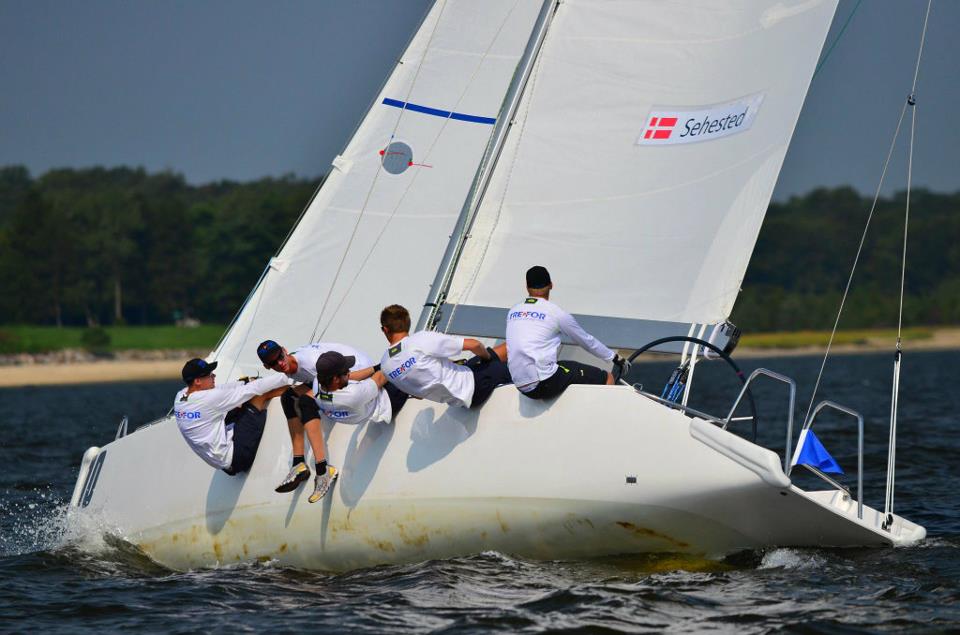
<point>632,148</point>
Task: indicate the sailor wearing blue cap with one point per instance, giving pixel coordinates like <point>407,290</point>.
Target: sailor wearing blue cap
<point>298,403</point>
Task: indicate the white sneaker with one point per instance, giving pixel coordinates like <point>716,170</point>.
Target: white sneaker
<point>322,483</point>
<point>297,474</point>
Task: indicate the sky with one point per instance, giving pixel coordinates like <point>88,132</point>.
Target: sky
<point>238,89</point>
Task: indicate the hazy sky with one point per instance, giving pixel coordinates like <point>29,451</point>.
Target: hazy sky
<point>240,89</point>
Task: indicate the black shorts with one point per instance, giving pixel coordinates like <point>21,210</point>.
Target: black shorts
<point>247,432</point>
<point>397,397</point>
<point>487,375</point>
<point>569,372</point>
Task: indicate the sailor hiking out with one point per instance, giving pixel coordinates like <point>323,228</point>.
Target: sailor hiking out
<point>343,400</point>
<point>533,332</point>
<point>223,425</point>
<point>419,363</point>
<point>299,406</point>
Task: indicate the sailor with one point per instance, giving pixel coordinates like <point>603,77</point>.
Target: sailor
<point>534,327</point>
<point>223,424</point>
<point>419,363</point>
<point>343,400</point>
<point>298,403</point>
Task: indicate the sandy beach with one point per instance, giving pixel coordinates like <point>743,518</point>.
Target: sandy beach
<point>103,371</point>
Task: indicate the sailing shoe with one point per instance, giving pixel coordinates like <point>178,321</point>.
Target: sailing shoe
<point>322,483</point>
<point>298,474</point>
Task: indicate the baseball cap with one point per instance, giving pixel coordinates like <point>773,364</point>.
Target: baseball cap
<point>268,352</point>
<point>332,364</point>
<point>196,368</point>
<point>537,277</point>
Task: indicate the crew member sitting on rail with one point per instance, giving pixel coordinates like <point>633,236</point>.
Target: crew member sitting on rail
<point>419,364</point>
<point>298,404</point>
<point>343,400</point>
<point>534,327</point>
<point>223,424</point>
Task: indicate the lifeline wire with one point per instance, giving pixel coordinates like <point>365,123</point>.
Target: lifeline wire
<point>873,207</point>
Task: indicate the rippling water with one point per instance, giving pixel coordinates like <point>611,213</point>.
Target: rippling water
<point>52,579</point>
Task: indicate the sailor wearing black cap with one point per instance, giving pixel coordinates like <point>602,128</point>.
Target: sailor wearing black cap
<point>534,327</point>
<point>343,400</point>
<point>299,406</point>
<point>225,440</point>
<point>419,363</point>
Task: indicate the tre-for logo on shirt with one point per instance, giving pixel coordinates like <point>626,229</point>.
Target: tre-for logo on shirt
<point>183,414</point>
<point>527,315</point>
<point>402,368</point>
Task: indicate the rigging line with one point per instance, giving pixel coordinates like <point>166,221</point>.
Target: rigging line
<point>909,102</point>
<point>534,74</point>
<point>376,176</point>
<point>856,259</point>
<point>426,155</point>
<point>836,40</point>
<point>913,124</point>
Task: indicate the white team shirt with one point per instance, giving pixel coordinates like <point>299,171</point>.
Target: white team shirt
<point>200,416</point>
<point>419,366</point>
<point>356,403</point>
<point>534,327</point>
<point>307,359</point>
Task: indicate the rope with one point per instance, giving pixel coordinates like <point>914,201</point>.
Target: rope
<point>836,40</point>
<point>909,102</point>
<point>376,176</point>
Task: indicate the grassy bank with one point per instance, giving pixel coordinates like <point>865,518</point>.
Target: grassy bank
<point>42,339</point>
<point>804,339</point>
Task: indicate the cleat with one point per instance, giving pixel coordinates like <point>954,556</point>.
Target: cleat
<point>322,484</point>
<point>298,474</point>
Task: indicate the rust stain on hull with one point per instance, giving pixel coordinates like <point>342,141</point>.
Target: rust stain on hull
<point>650,533</point>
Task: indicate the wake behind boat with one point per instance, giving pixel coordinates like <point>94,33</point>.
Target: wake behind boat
<point>634,149</point>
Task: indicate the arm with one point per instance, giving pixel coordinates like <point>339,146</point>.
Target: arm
<point>476,347</point>
<point>363,373</point>
<point>379,379</point>
<point>235,393</point>
<point>570,328</point>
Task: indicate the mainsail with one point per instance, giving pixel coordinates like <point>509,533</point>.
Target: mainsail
<point>641,162</point>
<point>376,230</point>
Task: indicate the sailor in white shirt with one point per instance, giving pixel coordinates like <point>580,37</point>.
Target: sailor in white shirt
<point>419,363</point>
<point>534,327</point>
<point>223,425</point>
<point>298,403</point>
<point>344,400</point>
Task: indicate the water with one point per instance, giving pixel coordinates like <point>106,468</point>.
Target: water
<point>61,581</point>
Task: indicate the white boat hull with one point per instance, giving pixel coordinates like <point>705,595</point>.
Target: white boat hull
<point>600,471</point>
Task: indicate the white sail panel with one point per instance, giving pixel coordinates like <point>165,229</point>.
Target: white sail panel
<point>643,157</point>
<point>376,230</point>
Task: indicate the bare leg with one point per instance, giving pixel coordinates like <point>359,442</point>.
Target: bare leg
<point>296,435</point>
<point>315,434</point>
<point>501,351</point>
<point>610,381</point>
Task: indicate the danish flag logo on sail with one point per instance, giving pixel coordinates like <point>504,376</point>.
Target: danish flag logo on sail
<point>668,125</point>
<point>660,127</point>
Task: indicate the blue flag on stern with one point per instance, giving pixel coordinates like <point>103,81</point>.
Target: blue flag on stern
<point>811,452</point>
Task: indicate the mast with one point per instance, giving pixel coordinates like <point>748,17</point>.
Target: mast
<point>451,257</point>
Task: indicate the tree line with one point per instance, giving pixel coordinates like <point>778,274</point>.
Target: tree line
<point>122,246</point>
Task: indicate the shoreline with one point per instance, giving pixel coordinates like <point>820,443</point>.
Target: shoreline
<point>167,365</point>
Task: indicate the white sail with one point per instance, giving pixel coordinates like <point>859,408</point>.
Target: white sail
<point>375,231</point>
<point>641,161</point>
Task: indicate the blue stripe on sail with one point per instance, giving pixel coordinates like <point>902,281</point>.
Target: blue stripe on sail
<point>436,112</point>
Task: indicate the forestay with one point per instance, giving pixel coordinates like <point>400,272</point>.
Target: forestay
<point>377,228</point>
<point>641,162</point>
